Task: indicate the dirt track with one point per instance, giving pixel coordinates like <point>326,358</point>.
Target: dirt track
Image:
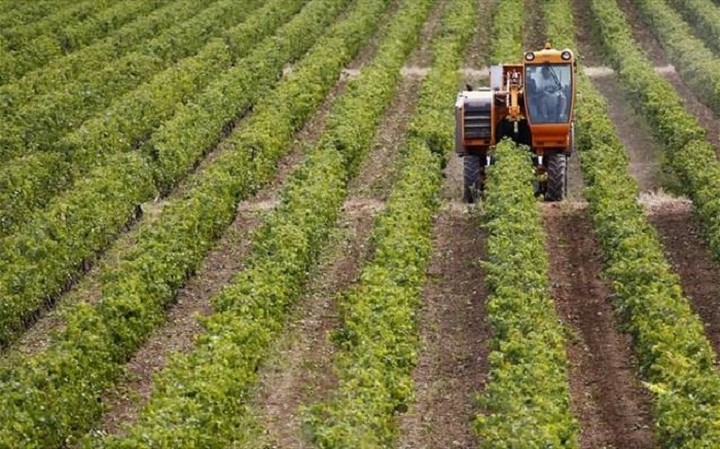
<point>612,407</point>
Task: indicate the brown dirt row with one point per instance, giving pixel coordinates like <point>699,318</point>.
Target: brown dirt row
<point>477,55</point>
<point>452,363</point>
<point>452,367</point>
<point>534,31</point>
<point>607,398</point>
<point>687,251</point>
<point>633,130</point>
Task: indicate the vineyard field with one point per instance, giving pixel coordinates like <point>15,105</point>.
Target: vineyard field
<point>241,224</point>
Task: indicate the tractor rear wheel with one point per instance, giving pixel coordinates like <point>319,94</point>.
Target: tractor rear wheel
<point>472,178</point>
<point>556,167</point>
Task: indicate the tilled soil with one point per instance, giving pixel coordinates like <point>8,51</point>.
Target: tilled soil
<point>301,371</point>
<point>634,132</point>
<point>612,407</point>
<point>687,251</point>
<point>453,359</point>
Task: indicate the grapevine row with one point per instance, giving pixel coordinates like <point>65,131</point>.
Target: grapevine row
<point>136,115</point>
<point>378,339</point>
<point>674,354</point>
<point>39,121</point>
<point>59,246</point>
<point>704,17</point>
<point>507,31</point>
<point>96,56</point>
<point>250,312</point>
<point>31,54</point>
<point>527,398</point>
<point>61,386</point>
<point>14,14</point>
<point>16,37</point>
<point>699,66</point>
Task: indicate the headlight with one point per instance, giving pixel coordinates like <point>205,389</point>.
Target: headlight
<point>566,55</point>
<point>529,56</point>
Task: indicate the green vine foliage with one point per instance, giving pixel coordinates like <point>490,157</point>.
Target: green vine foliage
<point>51,398</point>
<point>114,134</point>
<point>71,32</point>
<point>507,31</point>
<point>527,398</point>
<point>704,17</point>
<point>39,109</point>
<point>675,356</point>
<point>378,341</point>
<point>698,65</point>
<point>250,312</point>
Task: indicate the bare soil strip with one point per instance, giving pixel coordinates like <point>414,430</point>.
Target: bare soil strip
<point>608,400</point>
<point>687,251</point>
<point>602,71</point>
<point>534,31</point>
<point>301,372</point>
<point>453,361</point>
<point>644,37</point>
<point>634,132</point>
<point>422,55</point>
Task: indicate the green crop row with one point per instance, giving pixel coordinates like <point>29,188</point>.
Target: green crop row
<point>698,66</point>
<point>378,340</point>
<point>179,143</point>
<point>49,398</point>
<point>33,180</point>
<point>40,262</point>
<point>31,276</point>
<point>527,399</point>
<point>704,17</point>
<point>26,281</point>
<point>32,54</point>
<point>507,31</point>
<point>38,122</point>
<point>16,38</point>
<point>14,14</point>
<point>675,355</point>
<point>96,56</point>
<point>250,311</point>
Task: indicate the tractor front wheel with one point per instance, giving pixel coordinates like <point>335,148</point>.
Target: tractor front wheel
<point>556,168</point>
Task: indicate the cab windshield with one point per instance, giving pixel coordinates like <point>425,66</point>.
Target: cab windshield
<point>547,92</point>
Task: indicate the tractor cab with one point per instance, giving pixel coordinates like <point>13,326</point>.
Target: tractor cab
<point>530,103</point>
<point>549,96</point>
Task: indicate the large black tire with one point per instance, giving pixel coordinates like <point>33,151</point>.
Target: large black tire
<point>556,167</point>
<point>472,178</point>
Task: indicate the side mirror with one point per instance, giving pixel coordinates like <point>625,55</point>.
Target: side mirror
<point>468,87</point>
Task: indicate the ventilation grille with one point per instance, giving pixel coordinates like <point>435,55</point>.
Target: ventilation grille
<point>477,121</point>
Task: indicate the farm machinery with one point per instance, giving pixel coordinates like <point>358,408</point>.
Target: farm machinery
<point>530,103</point>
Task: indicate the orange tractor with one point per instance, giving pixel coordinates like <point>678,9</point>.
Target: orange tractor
<point>530,103</point>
